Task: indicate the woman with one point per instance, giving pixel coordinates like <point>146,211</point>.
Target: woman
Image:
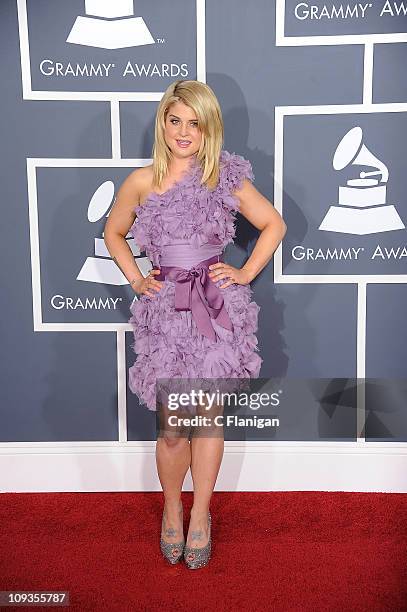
<point>195,317</point>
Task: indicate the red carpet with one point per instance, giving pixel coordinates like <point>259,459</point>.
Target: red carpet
<point>289,551</point>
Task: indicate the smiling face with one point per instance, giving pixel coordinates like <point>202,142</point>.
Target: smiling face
<point>182,133</point>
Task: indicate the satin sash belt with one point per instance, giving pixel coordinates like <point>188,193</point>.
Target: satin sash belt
<point>197,292</point>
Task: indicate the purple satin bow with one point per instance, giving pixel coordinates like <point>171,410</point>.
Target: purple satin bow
<point>196,291</point>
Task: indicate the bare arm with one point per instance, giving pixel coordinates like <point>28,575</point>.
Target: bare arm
<point>121,218</point>
<point>260,212</point>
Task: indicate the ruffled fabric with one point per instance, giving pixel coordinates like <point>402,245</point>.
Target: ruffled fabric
<point>167,342</point>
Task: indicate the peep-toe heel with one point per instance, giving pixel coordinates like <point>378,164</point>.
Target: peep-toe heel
<point>172,551</point>
<point>200,556</point>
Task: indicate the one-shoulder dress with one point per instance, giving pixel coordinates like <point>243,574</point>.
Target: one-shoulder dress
<point>185,225</point>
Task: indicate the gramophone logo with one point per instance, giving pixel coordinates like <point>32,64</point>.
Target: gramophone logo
<point>110,25</point>
<point>361,207</point>
<point>100,268</point>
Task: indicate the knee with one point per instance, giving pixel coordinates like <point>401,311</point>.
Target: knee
<point>174,443</point>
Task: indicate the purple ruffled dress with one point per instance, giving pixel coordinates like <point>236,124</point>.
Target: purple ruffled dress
<point>167,341</point>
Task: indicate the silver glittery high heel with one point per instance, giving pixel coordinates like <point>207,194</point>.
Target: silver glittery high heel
<point>199,556</point>
<point>172,552</point>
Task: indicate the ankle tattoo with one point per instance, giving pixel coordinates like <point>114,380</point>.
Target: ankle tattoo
<point>197,535</point>
<point>171,532</point>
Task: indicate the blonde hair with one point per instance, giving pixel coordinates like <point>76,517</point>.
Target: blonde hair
<point>202,100</point>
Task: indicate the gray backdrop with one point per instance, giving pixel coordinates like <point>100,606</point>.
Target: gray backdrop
<point>61,366</point>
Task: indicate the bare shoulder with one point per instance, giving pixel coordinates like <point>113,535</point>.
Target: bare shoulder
<point>134,186</point>
<point>124,210</point>
<point>142,174</point>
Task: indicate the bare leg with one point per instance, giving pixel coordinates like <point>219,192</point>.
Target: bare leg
<point>207,448</point>
<point>173,458</point>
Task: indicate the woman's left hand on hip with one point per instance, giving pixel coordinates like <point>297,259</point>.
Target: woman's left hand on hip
<point>220,270</point>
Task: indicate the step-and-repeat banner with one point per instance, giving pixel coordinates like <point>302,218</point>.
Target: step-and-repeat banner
<point>313,94</point>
